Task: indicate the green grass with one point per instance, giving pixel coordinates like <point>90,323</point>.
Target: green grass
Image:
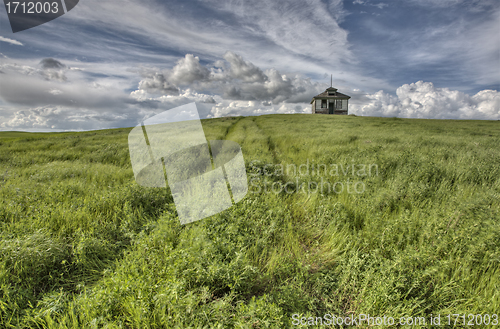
<point>83,246</point>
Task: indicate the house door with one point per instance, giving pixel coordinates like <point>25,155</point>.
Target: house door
<point>331,107</point>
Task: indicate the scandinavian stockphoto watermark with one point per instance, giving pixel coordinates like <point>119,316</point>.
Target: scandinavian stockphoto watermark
<point>204,177</point>
<point>310,177</point>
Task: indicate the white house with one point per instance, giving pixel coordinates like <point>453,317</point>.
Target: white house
<point>330,102</point>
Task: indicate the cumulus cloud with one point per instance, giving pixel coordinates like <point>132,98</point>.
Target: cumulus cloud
<point>35,118</point>
<point>158,84</point>
<point>424,100</point>
<point>187,71</point>
<point>233,78</point>
<point>244,70</point>
<point>11,41</point>
<point>46,118</point>
<point>249,108</point>
<point>50,63</point>
<point>214,106</point>
<point>50,69</point>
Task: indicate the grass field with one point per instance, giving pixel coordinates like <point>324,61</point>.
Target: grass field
<point>83,246</point>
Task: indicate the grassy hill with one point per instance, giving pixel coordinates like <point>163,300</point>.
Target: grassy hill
<point>381,216</point>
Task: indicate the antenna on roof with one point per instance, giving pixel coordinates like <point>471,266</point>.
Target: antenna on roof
<point>331,80</point>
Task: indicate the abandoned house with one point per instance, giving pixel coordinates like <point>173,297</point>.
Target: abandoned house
<point>330,102</point>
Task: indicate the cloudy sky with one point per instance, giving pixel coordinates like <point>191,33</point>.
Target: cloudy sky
<point>114,63</point>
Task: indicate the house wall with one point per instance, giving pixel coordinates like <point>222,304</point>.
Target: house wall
<point>318,104</point>
<point>317,107</point>
<point>343,110</point>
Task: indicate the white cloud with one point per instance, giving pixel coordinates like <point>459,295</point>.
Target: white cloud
<point>55,91</point>
<point>188,70</point>
<point>301,28</point>
<point>244,70</point>
<point>250,108</point>
<point>35,118</point>
<point>11,41</point>
<point>233,79</point>
<point>156,83</point>
<point>34,90</point>
<point>423,100</point>
<point>379,5</point>
<point>59,118</point>
<point>51,69</point>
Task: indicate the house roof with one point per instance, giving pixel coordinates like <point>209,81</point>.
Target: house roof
<point>325,95</point>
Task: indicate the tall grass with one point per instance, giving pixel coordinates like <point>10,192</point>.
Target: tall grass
<point>82,245</point>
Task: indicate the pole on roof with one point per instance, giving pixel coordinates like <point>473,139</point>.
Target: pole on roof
<point>331,80</point>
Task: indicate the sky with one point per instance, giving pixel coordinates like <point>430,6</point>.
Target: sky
<point>108,64</point>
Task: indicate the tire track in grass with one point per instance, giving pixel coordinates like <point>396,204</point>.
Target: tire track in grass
<point>269,143</point>
<point>252,139</point>
<point>231,128</point>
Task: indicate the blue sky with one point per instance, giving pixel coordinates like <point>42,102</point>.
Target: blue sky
<point>116,63</point>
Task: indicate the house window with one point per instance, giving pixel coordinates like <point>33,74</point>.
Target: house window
<point>323,103</point>
<point>331,93</point>
<point>338,104</point>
